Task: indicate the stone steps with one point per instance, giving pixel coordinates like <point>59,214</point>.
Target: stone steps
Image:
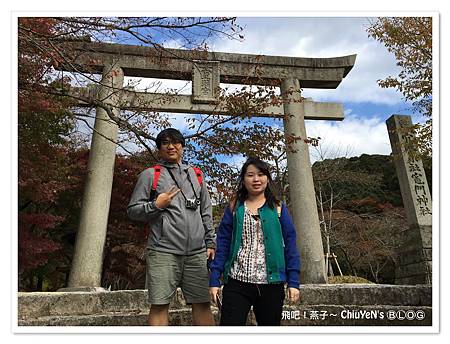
<point>314,315</point>
<point>332,305</point>
<point>176,317</point>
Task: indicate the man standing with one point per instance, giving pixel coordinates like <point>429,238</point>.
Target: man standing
<point>179,213</point>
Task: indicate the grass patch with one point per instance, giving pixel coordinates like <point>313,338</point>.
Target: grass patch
<point>348,279</point>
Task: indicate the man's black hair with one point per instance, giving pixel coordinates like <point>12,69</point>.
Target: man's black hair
<point>170,134</point>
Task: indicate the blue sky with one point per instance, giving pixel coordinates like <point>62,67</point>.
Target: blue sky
<point>366,105</point>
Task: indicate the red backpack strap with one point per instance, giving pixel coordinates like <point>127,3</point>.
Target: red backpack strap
<point>199,174</point>
<point>156,175</point>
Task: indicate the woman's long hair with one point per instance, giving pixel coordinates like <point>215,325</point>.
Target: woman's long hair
<point>241,193</point>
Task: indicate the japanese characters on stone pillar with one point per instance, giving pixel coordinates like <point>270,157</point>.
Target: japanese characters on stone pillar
<point>415,259</point>
<point>205,82</point>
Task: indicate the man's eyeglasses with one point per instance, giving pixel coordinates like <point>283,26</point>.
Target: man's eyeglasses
<point>168,143</point>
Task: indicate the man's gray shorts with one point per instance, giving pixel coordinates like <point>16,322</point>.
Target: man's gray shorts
<point>167,271</point>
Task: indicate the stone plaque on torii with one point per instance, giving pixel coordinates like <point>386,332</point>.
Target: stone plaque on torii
<point>206,70</point>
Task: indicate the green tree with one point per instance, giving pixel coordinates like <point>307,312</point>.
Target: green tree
<point>410,40</point>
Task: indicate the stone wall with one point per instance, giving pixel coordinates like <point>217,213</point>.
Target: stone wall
<point>321,305</point>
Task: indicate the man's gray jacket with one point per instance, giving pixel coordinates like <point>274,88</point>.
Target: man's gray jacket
<point>175,229</point>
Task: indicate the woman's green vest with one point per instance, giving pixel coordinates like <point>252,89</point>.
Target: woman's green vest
<point>273,242</point>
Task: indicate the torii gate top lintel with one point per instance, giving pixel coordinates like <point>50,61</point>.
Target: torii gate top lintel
<point>142,61</point>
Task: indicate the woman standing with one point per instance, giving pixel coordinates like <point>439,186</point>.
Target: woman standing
<point>256,252</point>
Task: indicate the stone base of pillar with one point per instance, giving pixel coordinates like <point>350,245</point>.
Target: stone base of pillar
<point>415,257</point>
<point>314,274</point>
<point>83,289</point>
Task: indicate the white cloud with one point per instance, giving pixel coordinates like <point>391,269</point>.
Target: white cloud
<point>351,137</point>
<point>173,44</point>
<point>323,37</point>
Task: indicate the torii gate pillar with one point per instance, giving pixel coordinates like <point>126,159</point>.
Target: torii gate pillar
<point>301,186</point>
<point>87,260</point>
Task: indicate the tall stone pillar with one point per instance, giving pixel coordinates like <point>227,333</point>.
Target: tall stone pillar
<point>303,197</point>
<point>87,260</point>
<point>415,259</point>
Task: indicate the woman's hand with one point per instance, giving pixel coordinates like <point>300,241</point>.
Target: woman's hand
<point>213,293</point>
<point>210,253</point>
<point>293,295</point>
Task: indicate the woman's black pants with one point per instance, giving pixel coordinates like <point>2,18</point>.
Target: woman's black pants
<point>266,299</point>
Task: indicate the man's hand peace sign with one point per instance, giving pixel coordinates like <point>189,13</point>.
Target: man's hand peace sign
<point>165,198</point>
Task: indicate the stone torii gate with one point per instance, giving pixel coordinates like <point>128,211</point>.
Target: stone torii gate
<point>206,70</point>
